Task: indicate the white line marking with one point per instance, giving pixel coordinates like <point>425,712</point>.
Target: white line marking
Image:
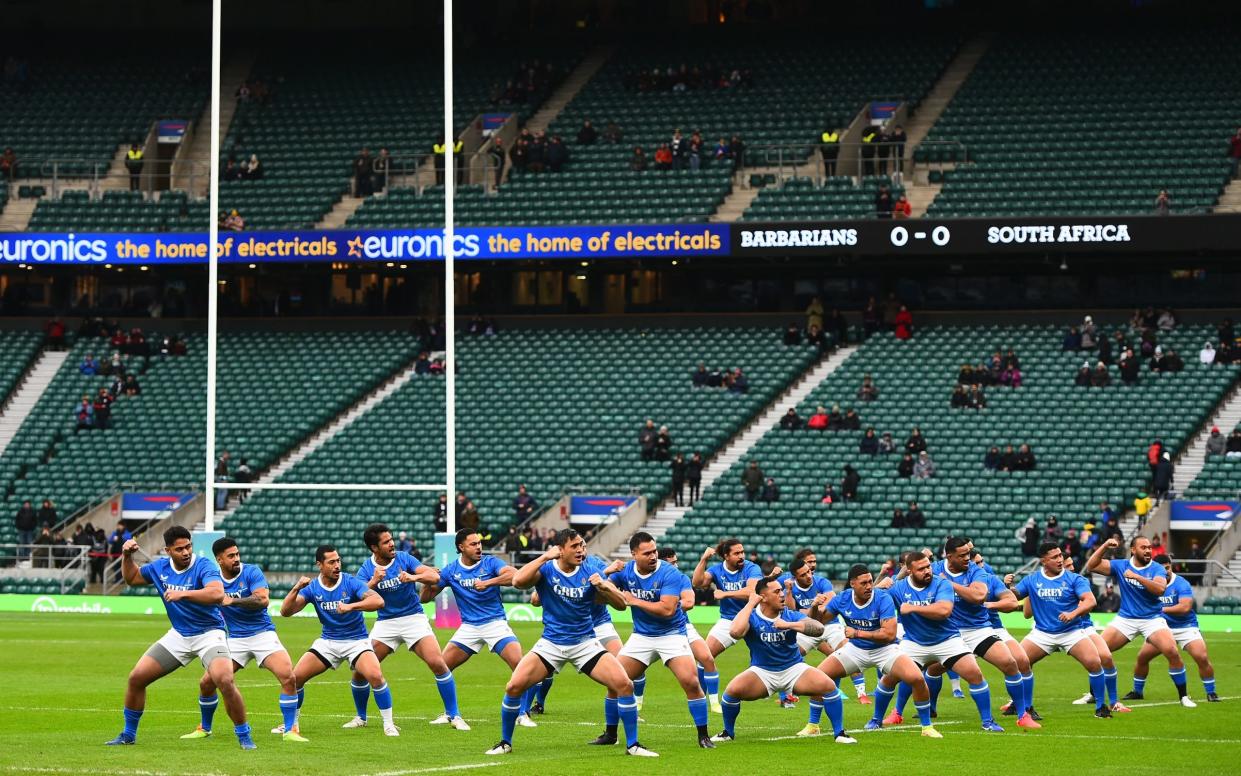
<point>900,729</point>
<point>440,769</point>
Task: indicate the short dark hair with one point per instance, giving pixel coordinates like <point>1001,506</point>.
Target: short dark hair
<point>1047,547</point>
<point>639,539</point>
<point>322,550</point>
<point>726,546</point>
<point>955,543</point>
<point>175,533</point>
<point>370,537</point>
<point>1161,559</point>
<point>762,584</point>
<point>857,570</point>
<point>564,536</point>
<point>1135,538</point>
<point>666,552</point>
<point>222,545</point>
<point>803,553</point>
<point>912,557</point>
<point>797,565</point>
<point>462,536</point>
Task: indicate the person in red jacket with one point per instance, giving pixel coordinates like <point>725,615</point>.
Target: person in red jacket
<point>904,324</point>
<point>1153,454</point>
<point>818,421</point>
<point>902,208</point>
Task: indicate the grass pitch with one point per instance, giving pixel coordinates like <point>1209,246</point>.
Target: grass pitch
<point>63,678</point>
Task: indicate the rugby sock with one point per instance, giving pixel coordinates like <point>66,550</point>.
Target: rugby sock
<point>1028,681</point>
<point>711,685</point>
<point>924,712</point>
<point>629,716</point>
<point>131,723</point>
<point>509,709</point>
<point>698,712</point>
<point>835,707</point>
<point>448,691</point>
<point>527,698</point>
<point>883,696</point>
<point>207,705</point>
<point>611,715</point>
<point>702,678</point>
<point>1209,685</point>
<point>1178,678</point>
<point>1109,679</point>
<point>242,731</point>
<point>361,697</point>
<point>816,712</point>
<point>544,687</point>
<point>1139,684</point>
<point>981,694</point>
<point>732,707</point>
<point>903,692</point>
<point>859,684</point>
<point>383,699</point>
<point>288,710</point>
<point>1017,693</point>
<point>935,684</point>
<point>1098,688</point>
<point>955,679</point>
<point>639,687</point>
<point>301,697</point>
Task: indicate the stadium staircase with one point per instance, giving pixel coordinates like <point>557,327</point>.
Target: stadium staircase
<point>232,75</point>
<point>1230,200</point>
<point>23,379</point>
<point>955,74</point>
<point>666,515</point>
<point>16,213</point>
<point>1193,461</point>
<point>569,89</point>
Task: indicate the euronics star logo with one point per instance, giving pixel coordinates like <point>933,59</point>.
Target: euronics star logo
<point>355,247</point>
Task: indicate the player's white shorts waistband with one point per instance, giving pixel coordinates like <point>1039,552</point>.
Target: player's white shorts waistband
<point>692,633</point>
<point>975,637</point>
<point>780,681</point>
<point>1130,628</point>
<point>206,646</point>
<point>1052,642</point>
<point>648,649</point>
<point>408,630</point>
<point>856,660</point>
<point>606,633</point>
<point>1186,636</point>
<point>719,632</point>
<point>258,648</point>
<point>494,635</point>
<point>946,650</point>
<point>333,652</point>
<point>582,655</point>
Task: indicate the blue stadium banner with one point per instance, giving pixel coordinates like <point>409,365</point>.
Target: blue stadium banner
<point>596,509</point>
<point>492,242</point>
<point>1203,515</point>
<point>171,130</point>
<point>147,506</point>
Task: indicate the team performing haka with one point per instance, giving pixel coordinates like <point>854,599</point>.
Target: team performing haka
<point>912,628</point>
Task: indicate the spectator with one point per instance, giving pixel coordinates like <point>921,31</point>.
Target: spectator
<point>905,469</point>
<point>679,147</point>
<point>1162,480</point>
<point>1234,152</point>
<point>716,379</point>
<point>886,443</point>
<point>771,491</point>
<point>914,517</point>
<point>960,399</point>
<point>25,521</point>
<point>403,544</point>
<point>1072,341</point>
<point>752,480</point>
<point>514,543</point>
<point>114,367</point>
<point>829,495</point>
<point>98,555</point>
<point>700,376</point>
<point>830,150</point>
<point>898,519</point>
<point>722,151</point>
<point>557,154</point>
<point>738,152</point>
<point>791,420</point>
<point>851,421</point>
<point>678,468</point>
<point>904,324</point>
<point>440,519</point>
<point>902,208</point>
<point>1101,377</point>
<point>587,135</point>
<point>693,476</point>
<point>1089,334</point>
<point>612,133</point>
<point>1071,546</point>
<point>646,440</point>
<point>663,444</point>
<point>233,222</point>
<point>869,443</point>
<point>870,137</point>
<point>637,162</point>
<point>520,155</point>
<point>834,419</point>
<point>1011,376</point>
<point>1195,569</point>
<point>818,421</point>
<point>1024,460</point>
<point>871,318</point>
<point>103,409</point>
<point>1082,378</point>
<point>41,553</point>
<point>1142,508</point>
<point>88,366</point>
<point>1105,350</point>
<point>816,339</point>
<point>133,164</point>
<point>1232,450</point>
<point>469,518</point>
<point>993,460</point>
<point>695,151</point>
<point>739,384</point>
<point>792,335</point>
<point>849,483</point>
<point>1163,203</point>
<point>524,505</point>
<point>363,167</point>
<point>814,314</point>
<point>663,157</point>
<point>84,415</point>
<point>1111,530</point>
<point>55,334</point>
<point>1129,367</point>
<point>243,473</point>
<point>1028,536</point>
<point>1207,354</point>
<point>252,169</point>
<point>883,203</point>
<point>978,399</point>
<point>1172,361</point>
<point>1008,460</point>
<point>536,153</point>
<point>869,391</point>
<point>1052,531</point>
<point>915,443</point>
<point>132,388</point>
<point>119,536</point>
<point>924,469</point>
<point>1109,600</point>
<point>1152,455</point>
<point>898,138</point>
<point>1216,444</point>
<point>838,325</point>
<point>8,165</point>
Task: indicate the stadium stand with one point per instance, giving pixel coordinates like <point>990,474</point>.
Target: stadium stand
<point>1220,477</point>
<point>790,91</point>
<point>801,200</point>
<point>17,350</point>
<point>121,211</point>
<point>1156,113</point>
<point>1064,424</point>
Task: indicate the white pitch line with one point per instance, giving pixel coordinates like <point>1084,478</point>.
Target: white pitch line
<point>1105,736</point>
<point>901,729</point>
<point>1176,703</point>
<point>439,769</point>
<point>114,771</point>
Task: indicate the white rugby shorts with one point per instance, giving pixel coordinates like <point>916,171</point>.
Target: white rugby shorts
<point>780,681</point>
<point>579,655</point>
<point>925,654</point>
<point>333,652</point>
<point>855,660</point>
<point>1186,636</point>
<point>206,646</point>
<point>648,649</point>
<point>476,638</point>
<point>1130,628</point>
<point>258,648</point>
<point>1052,642</point>
<point>719,632</point>
<point>410,629</point>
